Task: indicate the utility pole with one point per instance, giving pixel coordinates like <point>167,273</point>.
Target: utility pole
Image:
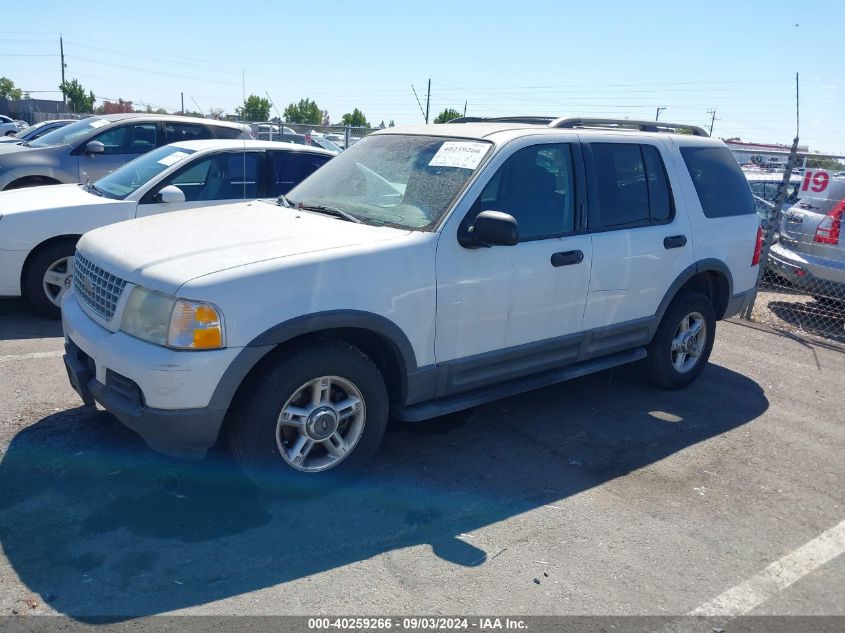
<point>62,53</point>
<point>465,108</point>
<point>659,110</point>
<point>427,101</point>
<point>712,120</point>
<point>183,103</point>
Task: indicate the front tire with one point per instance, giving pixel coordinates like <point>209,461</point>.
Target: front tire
<point>319,412</point>
<point>682,344</point>
<point>48,277</point>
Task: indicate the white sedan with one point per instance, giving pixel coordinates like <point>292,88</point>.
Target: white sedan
<point>39,226</point>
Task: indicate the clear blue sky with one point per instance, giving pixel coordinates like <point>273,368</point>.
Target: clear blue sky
<point>603,57</point>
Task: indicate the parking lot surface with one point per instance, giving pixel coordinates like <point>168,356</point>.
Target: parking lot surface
<point>597,496</point>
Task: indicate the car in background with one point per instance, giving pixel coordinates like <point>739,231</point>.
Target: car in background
<point>310,140</point>
<point>36,131</point>
<point>90,148</point>
<point>10,127</point>
<point>766,185</point>
<point>39,227</point>
<point>269,131</point>
<point>810,249</point>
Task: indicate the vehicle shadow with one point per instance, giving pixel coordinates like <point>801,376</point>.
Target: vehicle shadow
<point>815,317</point>
<point>19,321</point>
<point>100,526</point>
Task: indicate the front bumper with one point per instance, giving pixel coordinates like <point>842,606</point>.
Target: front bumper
<point>165,396</point>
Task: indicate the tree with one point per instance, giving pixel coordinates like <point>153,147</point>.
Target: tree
<point>8,89</point>
<point>306,111</point>
<point>391,124</point>
<point>355,119</point>
<point>75,94</point>
<point>447,115</point>
<point>824,163</point>
<point>217,113</point>
<point>381,125</point>
<point>255,108</point>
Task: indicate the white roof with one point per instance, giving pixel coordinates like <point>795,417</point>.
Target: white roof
<point>236,144</point>
<point>501,132</point>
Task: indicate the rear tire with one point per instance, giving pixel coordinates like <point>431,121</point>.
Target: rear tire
<point>682,344</point>
<point>47,277</point>
<point>325,405</point>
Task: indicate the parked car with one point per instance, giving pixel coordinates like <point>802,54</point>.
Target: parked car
<point>269,131</point>
<point>810,252</point>
<point>766,186</point>
<point>91,148</point>
<point>39,227</point>
<point>10,127</point>
<point>423,271</point>
<point>35,131</point>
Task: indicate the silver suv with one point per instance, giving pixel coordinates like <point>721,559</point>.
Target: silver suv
<point>809,252</point>
<point>91,148</point>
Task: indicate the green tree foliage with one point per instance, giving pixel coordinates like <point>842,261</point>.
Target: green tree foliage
<point>255,108</point>
<point>356,119</point>
<point>447,115</point>
<point>830,164</point>
<point>77,99</point>
<point>8,89</point>
<point>306,111</point>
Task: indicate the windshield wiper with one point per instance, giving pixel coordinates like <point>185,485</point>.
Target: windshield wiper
<point>319,208</point>
<point>282,201</point>
<point>90,188</point>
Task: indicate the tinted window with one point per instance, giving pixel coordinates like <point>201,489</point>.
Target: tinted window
<point>291,168</point>
<point>175,132</point>
<point>719,182</point>
<point>621,184</point>
<point>537,187</point>
<point>659,194</point>
<point>136,138</point>
<point>228,132</point>
<point>229,176</point>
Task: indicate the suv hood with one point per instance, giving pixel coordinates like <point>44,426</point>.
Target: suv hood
<point>164,252</point>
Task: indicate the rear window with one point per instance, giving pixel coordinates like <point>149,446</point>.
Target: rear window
<point>721,186</point>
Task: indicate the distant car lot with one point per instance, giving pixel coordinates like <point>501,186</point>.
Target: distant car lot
<point>631,504</point>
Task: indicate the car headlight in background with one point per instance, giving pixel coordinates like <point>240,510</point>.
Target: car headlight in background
<point>178,323</point>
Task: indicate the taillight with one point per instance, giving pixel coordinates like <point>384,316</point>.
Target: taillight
<point>829,227</point>
<point>758,247</point>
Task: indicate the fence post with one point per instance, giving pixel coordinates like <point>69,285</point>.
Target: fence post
<point>773,227</point>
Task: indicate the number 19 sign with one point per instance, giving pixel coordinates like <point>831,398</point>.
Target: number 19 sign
<point>816,181</point>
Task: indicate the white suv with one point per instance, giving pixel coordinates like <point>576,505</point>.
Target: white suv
<point>423,271</point>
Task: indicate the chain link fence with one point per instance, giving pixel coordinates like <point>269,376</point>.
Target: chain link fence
<point>801,289</point>
<point>331,137</point>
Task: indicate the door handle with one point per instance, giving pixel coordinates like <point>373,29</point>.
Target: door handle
<point>675,241</point>
<point>567,258</point>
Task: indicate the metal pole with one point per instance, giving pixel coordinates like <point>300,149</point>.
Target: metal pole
<point>183,104</point>
<point>712,120</point>
<point>427,101</point>
<point>659,110</point>
<point>62,53</point>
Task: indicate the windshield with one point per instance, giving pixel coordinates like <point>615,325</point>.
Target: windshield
<point>69,133</point>
<point>134,174</point>
<point>395,180</point>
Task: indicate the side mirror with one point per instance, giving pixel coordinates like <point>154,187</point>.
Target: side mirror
<point>491,228</point>
<point>171,194</point>
<point>95,147</point>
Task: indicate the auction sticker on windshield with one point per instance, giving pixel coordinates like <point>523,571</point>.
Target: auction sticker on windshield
<point>463,154</point>
<point>170,159</point>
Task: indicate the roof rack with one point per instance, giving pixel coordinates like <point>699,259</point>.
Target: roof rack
<point>628,124</point>
<point>535,120</point>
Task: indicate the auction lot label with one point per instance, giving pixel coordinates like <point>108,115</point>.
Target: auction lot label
<point>463,154</point>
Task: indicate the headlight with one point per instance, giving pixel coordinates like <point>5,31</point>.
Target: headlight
<point>178,323</point>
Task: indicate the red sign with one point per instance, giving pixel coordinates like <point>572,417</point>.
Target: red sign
<point>816,181</point>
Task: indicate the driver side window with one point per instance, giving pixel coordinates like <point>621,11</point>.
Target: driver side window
<point>229,176</point>
<point>536,185</point>
<point>136,138</point>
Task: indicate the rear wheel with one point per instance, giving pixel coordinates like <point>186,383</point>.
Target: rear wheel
<point>683,341</point>
<point>48,277</point>
<point>319,412</point>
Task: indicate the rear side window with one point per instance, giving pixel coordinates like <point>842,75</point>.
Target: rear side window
<point>228,132</point>
<point>291,168</point>
<point>631,186</point>
<point>721,186</point>
<point>175,132</point>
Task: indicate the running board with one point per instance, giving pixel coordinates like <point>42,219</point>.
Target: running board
<point>483,395</point>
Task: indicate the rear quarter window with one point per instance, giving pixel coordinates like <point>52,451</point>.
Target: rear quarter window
<point>228,132</point>
<point>721,186</point>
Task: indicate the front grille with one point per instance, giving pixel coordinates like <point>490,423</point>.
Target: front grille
<point>99,289</point>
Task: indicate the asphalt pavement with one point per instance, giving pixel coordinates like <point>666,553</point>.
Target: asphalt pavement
<point>598,496</point>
